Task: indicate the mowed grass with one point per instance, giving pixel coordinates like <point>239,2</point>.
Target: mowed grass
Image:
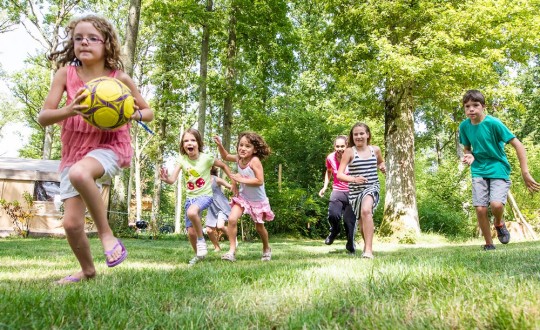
<point>306,285</point>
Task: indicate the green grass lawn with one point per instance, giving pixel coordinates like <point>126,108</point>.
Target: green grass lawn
<point>309,285</point>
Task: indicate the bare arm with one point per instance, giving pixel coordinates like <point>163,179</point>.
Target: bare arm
<point>381,165</point>
<point>51,114</point>
<point>143,111</point>
<point>224,153</point>
<point>170,179</point>
<point>468,157</point>
<point>227,170</point>
<point>223,183</point>
<point>327,175</point>
<point>257,168</point>
<point>345,159</point>
<point>531,184</point>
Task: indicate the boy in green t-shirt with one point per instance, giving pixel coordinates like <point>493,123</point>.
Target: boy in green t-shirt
<point>483,138</point>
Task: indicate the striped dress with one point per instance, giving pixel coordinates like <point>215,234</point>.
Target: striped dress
<point>368,169</point>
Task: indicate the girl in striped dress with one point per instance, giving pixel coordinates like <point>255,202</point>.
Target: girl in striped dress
<point>362,161</point>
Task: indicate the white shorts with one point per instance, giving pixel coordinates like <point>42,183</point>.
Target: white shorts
<point>107,158</point>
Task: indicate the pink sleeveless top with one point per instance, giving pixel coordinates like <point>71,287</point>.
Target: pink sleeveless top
<point>79,138</point>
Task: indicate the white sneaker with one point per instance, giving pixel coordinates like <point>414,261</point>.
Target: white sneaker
<point>202,250</point>
<point>194,260</point>
<point>267,256</point>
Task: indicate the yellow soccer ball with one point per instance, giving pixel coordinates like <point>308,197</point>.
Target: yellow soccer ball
<point>109,101</point>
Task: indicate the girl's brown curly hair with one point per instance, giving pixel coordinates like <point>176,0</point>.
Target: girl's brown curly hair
<point>262,150</point>
<point>112,45</point>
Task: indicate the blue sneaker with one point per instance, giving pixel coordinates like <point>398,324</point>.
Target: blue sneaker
<point>488,247</point>
<point>502,234</point>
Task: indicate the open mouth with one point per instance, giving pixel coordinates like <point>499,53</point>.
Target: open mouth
<point>190,149</point>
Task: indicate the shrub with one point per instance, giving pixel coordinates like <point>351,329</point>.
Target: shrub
<point>297,211</point>
<point>444,196</point>
<point>437,217</point>
<point>20,217</point>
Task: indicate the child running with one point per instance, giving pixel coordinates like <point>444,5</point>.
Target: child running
<point>339,199</point>
<point>90,156</point>
<point>252,200</point>
<point>483,138</point>
<point>219,210</point>
<point>196,166</point>
<point>362,160</point>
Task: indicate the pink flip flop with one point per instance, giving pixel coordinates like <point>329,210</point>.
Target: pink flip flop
<point>122,257</point>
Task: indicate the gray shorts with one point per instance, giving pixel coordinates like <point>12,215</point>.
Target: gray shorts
<point>212,221</point>
<point>485,191</point>
<point>108,160</point>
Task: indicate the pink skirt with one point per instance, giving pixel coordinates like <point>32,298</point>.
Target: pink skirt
<point>258,211</point>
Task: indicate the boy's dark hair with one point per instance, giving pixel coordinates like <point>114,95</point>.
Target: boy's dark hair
<point>214,171</point>
<point>197,136</point>
<point>475,96</point>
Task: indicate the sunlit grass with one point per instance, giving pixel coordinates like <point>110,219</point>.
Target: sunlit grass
<point>433,284</point>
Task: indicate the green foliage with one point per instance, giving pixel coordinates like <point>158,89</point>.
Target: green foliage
<point>437,217</point>
<point>20,216</point>
<point>444,195</point>
<point>305,72</point>
<point>528,203</point>
<point>30,87</point>
<point>297,212</point>
<point>529,121</point>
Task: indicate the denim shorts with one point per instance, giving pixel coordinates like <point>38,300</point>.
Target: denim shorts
<point>203,202</point>
<point>107,158</point>
<point>485,191</point>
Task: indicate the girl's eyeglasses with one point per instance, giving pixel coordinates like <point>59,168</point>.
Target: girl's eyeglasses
<point>90,40</point>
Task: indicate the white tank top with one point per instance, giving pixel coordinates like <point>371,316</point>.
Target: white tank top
<point>248,192</point>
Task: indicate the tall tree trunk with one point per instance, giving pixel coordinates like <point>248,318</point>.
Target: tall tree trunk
<point>459,149</point>
<point>137,177</point>
<point>48,135</point>
<point>130,46</point>
<point>400,212</point>
<point>132,31</point>
<point>179,191</point>
<point>156,199</point>
<point>47,142</point>
<point>205,44</point>
<point>230,80</point>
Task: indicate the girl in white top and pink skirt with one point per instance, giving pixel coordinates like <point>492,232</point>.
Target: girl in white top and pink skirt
<point>252,200</point>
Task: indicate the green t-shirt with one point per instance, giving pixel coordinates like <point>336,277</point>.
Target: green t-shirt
<point>197,174</point>
<point>487,140</point>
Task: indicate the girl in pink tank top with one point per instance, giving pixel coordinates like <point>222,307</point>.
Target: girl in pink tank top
<point>88,154</point>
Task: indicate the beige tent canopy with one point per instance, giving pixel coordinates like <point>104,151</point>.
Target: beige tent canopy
<point>40,178</point>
